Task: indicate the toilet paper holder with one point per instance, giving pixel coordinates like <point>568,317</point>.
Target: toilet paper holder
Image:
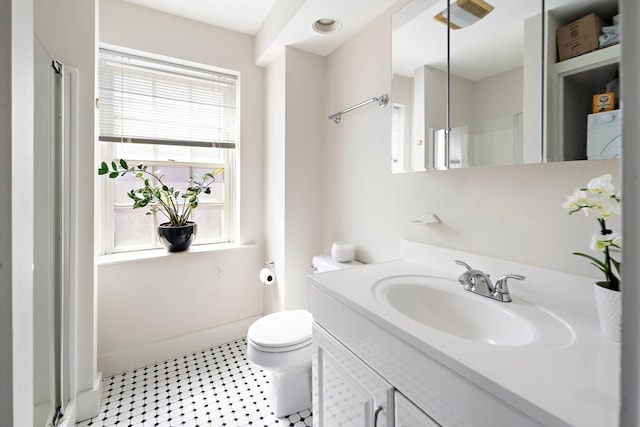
<point>267,275</point>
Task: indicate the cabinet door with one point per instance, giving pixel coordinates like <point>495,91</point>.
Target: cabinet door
<point>347,392</point>
<point>409,415</point>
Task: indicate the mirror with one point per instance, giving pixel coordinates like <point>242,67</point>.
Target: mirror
<point>498,95</point>
<point>419,85</point>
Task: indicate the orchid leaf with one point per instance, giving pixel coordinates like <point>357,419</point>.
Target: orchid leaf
<point>596,262</point>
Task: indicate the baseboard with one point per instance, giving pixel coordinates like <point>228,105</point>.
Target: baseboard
<point>148,354</point>
<point>69,415</point>
<point>87,404</point>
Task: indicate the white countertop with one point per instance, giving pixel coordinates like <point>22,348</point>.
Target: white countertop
<point>577,383</point>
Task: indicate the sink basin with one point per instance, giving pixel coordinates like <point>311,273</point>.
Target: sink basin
<point>443,305</point>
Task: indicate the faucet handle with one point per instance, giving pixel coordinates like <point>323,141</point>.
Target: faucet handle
<point>501,289</point>
<point>464,264</point>
<point>466,278</point>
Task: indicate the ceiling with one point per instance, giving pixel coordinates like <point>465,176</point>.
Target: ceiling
<point>243,16</point>
<point>278,23</point>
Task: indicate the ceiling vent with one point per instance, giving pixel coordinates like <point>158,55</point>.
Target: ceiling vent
<point>464,13</point>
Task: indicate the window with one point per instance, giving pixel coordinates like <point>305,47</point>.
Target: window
<point>179,119</point>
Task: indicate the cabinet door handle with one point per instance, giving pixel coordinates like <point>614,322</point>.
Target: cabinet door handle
<point>375,415</point>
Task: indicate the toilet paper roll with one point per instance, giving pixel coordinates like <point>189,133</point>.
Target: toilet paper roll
<point>267,277</point>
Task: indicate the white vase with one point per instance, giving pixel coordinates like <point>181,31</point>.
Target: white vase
<point>609,307</point>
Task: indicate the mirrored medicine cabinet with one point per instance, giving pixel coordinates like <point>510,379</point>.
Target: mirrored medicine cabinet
<point>494,91</point>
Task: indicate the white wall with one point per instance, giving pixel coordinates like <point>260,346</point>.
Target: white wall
<point>306,119</point>
<point>22,179</point>
<point>6,336</point>
<point>16,241</point>
<point>511,212</point>
<point>498,96</point>
<point>274,176</point>
<point>199,299</point>
<point>497,100</point>
<point>294,171</point>
<point>186,302</point>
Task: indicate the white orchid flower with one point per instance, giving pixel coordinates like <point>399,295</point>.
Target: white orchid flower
<point>599,242</point>
<point>601,185</point>
<point>600,200</point>
<point>616,240</point>
<point>606,209</point>
<point>577,201</point>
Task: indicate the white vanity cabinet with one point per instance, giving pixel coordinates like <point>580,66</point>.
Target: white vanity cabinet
<point>347,392</point>
<point>359,366</point>
<point>409,415</point>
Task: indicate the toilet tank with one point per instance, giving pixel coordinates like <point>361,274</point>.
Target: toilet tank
<point>324,263</point>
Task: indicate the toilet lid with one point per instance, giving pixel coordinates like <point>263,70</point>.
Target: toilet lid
<point>282,329</point>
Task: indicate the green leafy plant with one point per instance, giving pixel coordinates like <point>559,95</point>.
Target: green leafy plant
<point>600,199</point>
<point>154,194</point>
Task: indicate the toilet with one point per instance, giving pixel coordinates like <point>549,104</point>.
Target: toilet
<point>280,343</point>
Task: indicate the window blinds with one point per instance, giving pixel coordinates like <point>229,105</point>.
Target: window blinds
<point>142,100</point>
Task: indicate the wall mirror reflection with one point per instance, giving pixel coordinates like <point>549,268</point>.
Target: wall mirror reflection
<point>493,89</point>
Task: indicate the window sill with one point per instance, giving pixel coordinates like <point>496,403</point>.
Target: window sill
<point>133,256</point>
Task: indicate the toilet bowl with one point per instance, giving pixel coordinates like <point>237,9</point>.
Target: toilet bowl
<point>280,343</point>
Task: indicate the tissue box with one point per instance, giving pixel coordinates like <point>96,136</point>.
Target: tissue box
<point>579,37</point>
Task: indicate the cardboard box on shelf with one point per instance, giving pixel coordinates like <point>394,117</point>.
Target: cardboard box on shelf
<point>579,37</point>
<point>603,102</point>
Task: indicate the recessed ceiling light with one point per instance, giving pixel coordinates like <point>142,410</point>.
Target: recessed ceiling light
<point>327,25</point>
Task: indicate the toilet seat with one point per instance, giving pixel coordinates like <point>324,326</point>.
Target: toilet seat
<point>280,332</point>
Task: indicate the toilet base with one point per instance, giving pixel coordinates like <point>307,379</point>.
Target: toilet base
<point>289,392</point>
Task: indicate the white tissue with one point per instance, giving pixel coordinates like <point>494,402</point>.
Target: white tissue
<point>267,277</point>
<point>343,252</point>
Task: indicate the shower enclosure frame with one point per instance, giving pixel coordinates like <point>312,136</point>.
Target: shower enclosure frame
<point>54,296</point>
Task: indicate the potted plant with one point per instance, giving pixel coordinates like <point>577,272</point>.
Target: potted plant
<point>178,232</point>
<point>599,199</point>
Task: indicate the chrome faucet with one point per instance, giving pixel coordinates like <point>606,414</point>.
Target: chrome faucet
<point>479,282</point>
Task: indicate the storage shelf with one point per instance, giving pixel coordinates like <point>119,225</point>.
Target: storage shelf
<point>572,84</point>
<point>588,61</point>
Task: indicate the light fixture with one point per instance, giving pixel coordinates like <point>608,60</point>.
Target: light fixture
<point>464,13</point>
<point>327,25</point>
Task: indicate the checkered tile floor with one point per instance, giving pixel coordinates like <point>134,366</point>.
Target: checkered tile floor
<point>214,387</point>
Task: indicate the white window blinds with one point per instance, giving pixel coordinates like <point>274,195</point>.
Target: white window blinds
<point>142,100</point>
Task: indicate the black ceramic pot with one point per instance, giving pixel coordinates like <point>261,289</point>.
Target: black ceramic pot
<point>177,239</point>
